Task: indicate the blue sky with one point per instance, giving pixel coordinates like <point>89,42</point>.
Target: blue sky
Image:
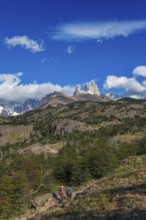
<point>48,45</point>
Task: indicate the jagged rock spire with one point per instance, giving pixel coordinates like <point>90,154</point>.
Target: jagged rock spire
<point>91,88</point>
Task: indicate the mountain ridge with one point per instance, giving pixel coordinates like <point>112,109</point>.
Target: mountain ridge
<point>13,108</point>
<point>91,92</point>
<point>56,99</point>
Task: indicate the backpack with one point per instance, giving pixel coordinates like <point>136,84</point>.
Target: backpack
<point>69,191</point>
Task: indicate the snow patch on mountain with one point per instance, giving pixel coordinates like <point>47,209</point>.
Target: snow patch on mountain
<point>114,96</point>
<point>12,108</point>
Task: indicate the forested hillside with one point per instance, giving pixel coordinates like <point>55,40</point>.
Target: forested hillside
<point>70,145</point>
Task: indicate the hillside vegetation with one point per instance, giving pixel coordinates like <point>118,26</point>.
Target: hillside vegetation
<point>72,145</point>
<point>120,195</point>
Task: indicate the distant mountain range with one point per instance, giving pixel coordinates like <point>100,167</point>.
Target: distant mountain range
<point>12,108</point>
<point>90,93</point>
<point>114,96</point>
<point>9,108</point>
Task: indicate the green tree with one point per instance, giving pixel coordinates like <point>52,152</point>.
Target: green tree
<point>102,161</point>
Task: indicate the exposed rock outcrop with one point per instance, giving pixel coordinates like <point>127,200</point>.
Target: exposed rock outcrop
<point>67,126</point>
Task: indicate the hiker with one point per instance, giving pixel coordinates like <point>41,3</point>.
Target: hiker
<point>62,194</point>
<point>69,193</point>
<point>58,200</point>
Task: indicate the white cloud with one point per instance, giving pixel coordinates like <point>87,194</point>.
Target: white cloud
<point>100,30</point>
<point>10,79</point>
<point>144,83</point>
<point>70,49</point>
<point>137,96</point>
<point>12,89</point>
<point>140,71</point>
<point>130,86</point>
<point>26,42</point>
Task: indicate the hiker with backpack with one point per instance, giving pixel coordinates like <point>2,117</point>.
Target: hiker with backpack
<point>69,193</point>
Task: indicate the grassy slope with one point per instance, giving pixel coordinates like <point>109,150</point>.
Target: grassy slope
<point>124,192</point>
<point>129,116</point>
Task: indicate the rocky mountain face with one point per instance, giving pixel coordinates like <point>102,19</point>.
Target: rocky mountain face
<point>90,88</point>
<point>91,93</point>
<point>9,108</point>
<point>50,96</point>
<point>4,112</point>
<point>13,108</point>
<point>56,99</point>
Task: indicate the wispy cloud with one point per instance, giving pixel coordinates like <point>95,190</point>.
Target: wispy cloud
<point>99,41</point>
<point>100,30</point>
<point>12,89</point>
<point>131,86</point>
<point>47,60</point>
<point>70,49</point>
<point>24,41</point>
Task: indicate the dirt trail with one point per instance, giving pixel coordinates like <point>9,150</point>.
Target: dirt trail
<point>48,204</point>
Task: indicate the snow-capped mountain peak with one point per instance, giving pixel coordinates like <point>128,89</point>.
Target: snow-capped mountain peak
<point>9,108</point>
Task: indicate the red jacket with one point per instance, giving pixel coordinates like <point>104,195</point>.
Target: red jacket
<point>61,192</point>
